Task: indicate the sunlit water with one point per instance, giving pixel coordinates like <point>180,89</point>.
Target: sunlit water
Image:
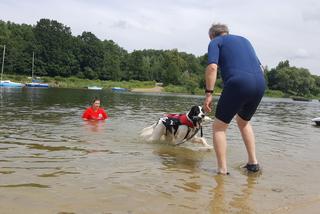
<point>53,162</point>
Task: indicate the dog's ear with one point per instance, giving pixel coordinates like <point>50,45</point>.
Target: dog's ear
<point>194,111</point>
<point>201,109</point>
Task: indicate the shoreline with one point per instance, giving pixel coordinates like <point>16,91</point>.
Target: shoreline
<point>156,89</point>
<point>131,85</point>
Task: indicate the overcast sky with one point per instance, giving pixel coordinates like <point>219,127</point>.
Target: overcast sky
<point>279,30</point>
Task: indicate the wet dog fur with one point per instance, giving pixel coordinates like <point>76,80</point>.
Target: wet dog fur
<point>176,133</point>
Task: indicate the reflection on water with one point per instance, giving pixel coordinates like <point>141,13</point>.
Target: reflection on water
<point>49,156</point>
<point>239,203</point>
<point>178,158</point>
<point>26,185</point>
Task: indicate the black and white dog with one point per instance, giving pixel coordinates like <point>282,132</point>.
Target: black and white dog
<point>178,128</point>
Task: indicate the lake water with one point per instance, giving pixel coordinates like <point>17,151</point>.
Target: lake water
<point>53,162</point>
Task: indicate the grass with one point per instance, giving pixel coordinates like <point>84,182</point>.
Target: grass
<point>184,90</point>
<point>74,82</point>
<point>274,93</point>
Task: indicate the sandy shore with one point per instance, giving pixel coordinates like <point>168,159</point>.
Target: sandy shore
<point>156,89</point>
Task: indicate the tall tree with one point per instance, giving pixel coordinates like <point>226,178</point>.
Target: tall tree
<point>54,53</point>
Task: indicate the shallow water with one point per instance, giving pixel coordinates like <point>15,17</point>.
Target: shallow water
<point>53,162</point>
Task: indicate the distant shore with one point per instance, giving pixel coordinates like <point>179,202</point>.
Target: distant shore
<point>131,85</point>
<point>157,89</point>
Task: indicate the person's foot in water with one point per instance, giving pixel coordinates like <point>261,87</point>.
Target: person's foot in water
<point>222,173</point>
<point>252,167</point>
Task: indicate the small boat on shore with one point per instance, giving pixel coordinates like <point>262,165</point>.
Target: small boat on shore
<point>7,83</point>
<point>37,85</point>
<point>94,88</point>
<point>119,89</point>
<point>316,120</point>
<point>34,82</point>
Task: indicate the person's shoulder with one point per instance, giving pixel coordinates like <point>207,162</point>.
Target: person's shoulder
<point>101,110</point>
<point>86,113</point>
<point>222,38</point>
<point>236,39</point>
<point>239,37</point>
<point>89,109</point>
<point>215,41</point>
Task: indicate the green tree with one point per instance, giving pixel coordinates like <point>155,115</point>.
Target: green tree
<point>112,61</point>
<point>54,42</point>
<point>91,53</point>
<point>172,75</point>
<point>291,80</point>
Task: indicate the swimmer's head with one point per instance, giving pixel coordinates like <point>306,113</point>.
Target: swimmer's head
<point>95,103</point>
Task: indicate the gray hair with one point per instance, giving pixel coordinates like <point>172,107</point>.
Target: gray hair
<point>218,29</point>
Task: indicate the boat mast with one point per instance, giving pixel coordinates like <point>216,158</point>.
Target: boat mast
<point>32,66</point>
<point>4,52</point>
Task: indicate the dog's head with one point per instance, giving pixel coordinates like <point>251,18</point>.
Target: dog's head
<point>196,115</point>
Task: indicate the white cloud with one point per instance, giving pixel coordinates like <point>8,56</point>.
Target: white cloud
<point>279,30</point>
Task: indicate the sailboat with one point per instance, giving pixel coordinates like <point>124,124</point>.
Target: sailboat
<point>7,83</point>
<point>35,83</point>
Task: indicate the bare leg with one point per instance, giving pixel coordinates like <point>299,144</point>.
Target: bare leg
<point>248,139</point>
<point>220,144</point>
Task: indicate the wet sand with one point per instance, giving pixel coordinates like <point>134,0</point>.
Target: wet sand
<point>310,206</point>
<point>156,89</point>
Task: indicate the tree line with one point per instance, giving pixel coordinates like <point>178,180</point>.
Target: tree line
<point>59,53</point>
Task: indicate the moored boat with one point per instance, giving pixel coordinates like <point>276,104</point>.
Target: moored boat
<point>94,88</point>
<point>119,89</point>
<point>9,84</point>
<point>35,83</point>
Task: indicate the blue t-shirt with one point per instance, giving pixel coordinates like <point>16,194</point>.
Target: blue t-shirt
<point>234,55</point>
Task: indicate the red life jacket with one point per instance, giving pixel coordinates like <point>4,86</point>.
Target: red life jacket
<point>182,118</point>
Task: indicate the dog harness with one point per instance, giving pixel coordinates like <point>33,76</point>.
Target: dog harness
<point>178,119</point>
<point>173,121</point>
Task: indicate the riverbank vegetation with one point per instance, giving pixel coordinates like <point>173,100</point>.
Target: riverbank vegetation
<point>64,60</point>
<point>75,82</point>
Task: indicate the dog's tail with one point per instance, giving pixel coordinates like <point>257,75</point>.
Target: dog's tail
<point>147,132</point>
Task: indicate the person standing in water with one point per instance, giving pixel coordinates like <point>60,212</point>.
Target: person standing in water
<point>244,86</point>
<point>95,112</point>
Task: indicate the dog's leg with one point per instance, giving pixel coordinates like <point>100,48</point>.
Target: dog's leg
<point>203,141</point>
<point>180,135</point>
<point>158,132</point>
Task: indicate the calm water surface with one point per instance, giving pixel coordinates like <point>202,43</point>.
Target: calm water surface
<point>53,162</point>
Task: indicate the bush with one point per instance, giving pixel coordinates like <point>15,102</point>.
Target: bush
<point>274,93</point>
<point>175,89</point>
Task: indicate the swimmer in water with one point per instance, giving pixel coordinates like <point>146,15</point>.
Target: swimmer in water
<point>95,112</point>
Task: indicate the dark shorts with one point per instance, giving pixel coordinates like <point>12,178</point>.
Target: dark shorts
<point>241,95</point>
